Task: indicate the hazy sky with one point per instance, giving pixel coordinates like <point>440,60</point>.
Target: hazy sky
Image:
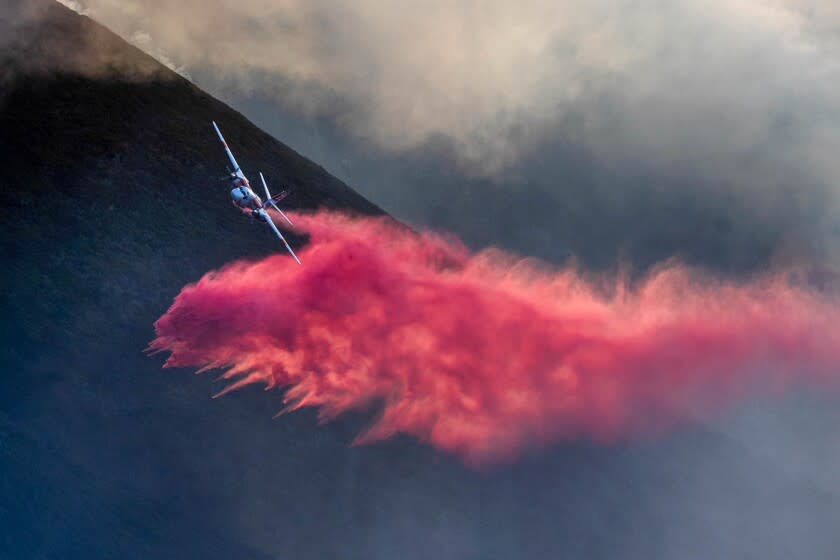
<point>713,79</point>
<point>704,129</point>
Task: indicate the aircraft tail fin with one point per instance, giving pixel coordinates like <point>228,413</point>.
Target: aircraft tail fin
<point>273,200</point>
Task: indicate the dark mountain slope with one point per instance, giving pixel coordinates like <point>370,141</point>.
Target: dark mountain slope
<point>110,168</point>
<point>109,205</point>
<point>64,105</point>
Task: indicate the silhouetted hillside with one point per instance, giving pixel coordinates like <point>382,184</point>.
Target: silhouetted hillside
<point>110,175</point>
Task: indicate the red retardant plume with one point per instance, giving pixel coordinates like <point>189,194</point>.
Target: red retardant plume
<point>486,355</point>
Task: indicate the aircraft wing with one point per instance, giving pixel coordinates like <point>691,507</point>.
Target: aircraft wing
<point>232,159</point>
<point>280,236</point>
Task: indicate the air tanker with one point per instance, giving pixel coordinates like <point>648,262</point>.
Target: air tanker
<point>247,200</point>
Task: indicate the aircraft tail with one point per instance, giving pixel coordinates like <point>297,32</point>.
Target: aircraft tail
<point>273,200</point>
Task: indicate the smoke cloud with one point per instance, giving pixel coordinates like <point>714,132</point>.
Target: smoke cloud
<point>32,43</point>
<point>693,83</point>
<point>487,355</point>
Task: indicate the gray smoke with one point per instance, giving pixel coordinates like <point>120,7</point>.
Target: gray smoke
<point>697,83</point>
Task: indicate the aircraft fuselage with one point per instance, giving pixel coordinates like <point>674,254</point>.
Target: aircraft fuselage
<point>243,197</point>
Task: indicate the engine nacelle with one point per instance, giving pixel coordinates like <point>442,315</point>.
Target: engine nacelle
<point>260,215</point>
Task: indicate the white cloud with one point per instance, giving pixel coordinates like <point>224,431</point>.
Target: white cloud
<point>690,82</point>
<point>75,6</point>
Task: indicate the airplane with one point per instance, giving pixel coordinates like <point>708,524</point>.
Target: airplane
<point>247,200</point>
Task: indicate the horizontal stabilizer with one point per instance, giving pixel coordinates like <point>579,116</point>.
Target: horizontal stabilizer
<point>273,200</point>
